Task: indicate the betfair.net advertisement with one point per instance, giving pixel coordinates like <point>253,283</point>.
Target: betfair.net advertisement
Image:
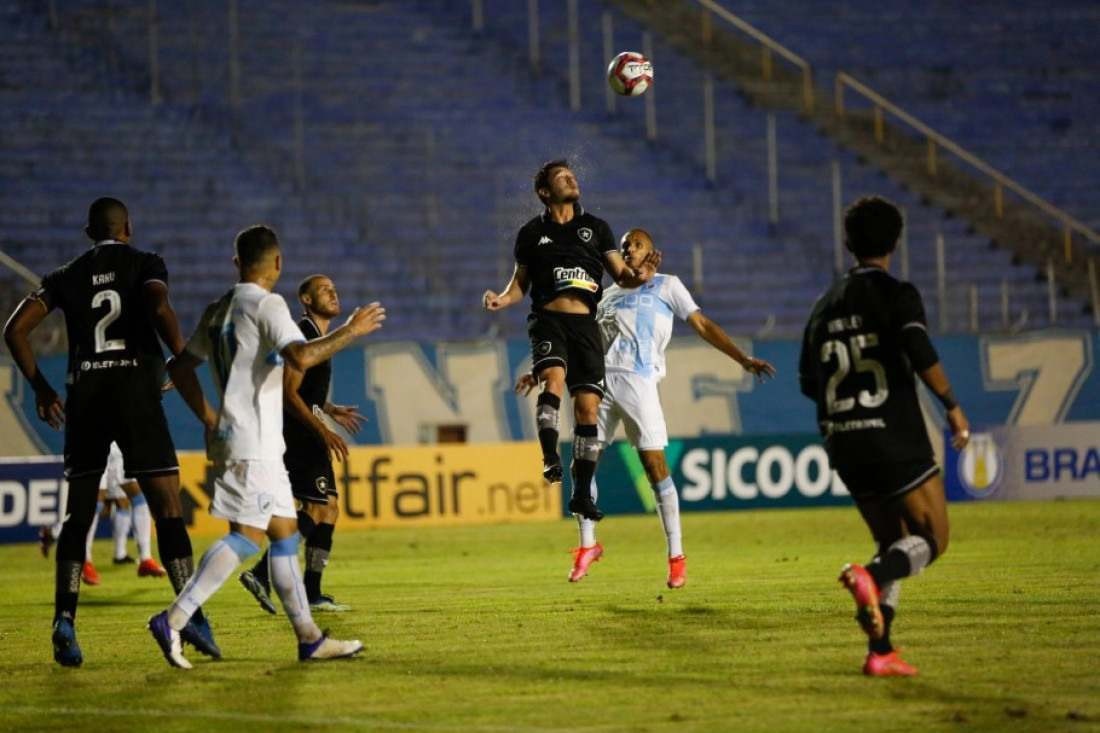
<point>413,486</point>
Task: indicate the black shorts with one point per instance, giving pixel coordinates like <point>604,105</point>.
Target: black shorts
<point>886,480</point>
<point>310,470</point>
<point>570,340</point>
<point>124,407</point>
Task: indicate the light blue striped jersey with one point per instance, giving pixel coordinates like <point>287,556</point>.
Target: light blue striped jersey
<point>636,323</point>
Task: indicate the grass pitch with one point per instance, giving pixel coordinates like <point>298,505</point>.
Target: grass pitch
<point>476,629</point>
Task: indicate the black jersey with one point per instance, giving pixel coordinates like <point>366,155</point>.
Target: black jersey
<point>313,391</point>
<point>854,367</point>
<point>101,294</point>
<point>564,257</point>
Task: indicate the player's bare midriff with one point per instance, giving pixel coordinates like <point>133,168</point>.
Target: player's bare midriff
<point>566,303</point>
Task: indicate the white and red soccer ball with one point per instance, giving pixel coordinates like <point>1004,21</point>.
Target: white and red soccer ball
<point>630,74</point>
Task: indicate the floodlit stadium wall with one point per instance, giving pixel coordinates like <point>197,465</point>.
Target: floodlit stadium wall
<point>1033,401</point>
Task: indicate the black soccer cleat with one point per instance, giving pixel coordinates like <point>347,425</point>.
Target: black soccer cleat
<point>552,473</point>
<point>584,506</point>
<point>124,560</point>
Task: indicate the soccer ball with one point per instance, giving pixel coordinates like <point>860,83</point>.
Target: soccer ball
<point>630,74</point>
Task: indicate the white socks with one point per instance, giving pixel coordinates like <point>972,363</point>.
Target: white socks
<point>216,566</point>
<point>587,527</point>
<point>286,576</point>
<point>91,532</point>
<point>143,527</point>
<point>668,509</point>
<point>120,530</point>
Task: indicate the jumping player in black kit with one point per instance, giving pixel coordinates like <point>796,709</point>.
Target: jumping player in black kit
<point>560,257</point>
<point>115,301</point>
<point>308,445</point>
<point>866,339</point>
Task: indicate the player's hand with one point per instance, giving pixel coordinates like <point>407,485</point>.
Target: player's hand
<point>491,301</point>
<point>367,319</point>
<point>168,386</point>
<point>762,370</point>
<point>334,444</point>
<point>526,383</point>
<point>960,427</point>
<point>216,449</point>
<point>650,265</point>
<point>50,408</point>
<point>347,417</point>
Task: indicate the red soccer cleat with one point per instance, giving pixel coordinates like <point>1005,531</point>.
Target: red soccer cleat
<point>887,665</point>
<point>677,571</point>
<point>863,589</point>
<point>89,575</point>
<point>582,558</point>
<point>150,568</point>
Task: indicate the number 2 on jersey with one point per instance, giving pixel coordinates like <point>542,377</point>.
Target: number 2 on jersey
<point>844,362</point>
<point>114,302</point>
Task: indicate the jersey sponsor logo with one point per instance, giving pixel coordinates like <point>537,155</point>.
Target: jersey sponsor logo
<point>585,234</point>
<point>545,240</point>
<point>87,366</point>
<point>574,277</point>
<point>981,466</point>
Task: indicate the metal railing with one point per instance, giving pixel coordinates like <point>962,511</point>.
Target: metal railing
<point>769,48</point>
<point>936,140</point>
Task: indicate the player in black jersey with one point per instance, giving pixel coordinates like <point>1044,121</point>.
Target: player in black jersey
<point>560,257</point>
<point>866,340</point>
<point>115,301</point>
<point>309,443</point>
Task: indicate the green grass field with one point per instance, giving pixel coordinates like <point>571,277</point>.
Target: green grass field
<point>476,629</point>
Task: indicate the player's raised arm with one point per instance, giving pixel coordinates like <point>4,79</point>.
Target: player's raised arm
<point>292,400</point>
<point>716,336</point>
<point>303,354</point>
<point>30,312</point>
<point>513,292</point>
<point>627,277</point>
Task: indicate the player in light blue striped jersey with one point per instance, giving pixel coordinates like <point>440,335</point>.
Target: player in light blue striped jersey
<point>636,324</point>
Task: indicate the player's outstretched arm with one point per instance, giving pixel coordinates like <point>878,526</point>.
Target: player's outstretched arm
<point>626,277</point>
<point>30,312</point>
<point>513,292</point>
<point>304,354</point>
<point>292,381</point>
<point>163,316</point>
<point>716,336</point>
<point>935,378</point>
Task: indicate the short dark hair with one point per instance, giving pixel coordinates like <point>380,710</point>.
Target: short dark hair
<point>253,244</point>
<point>107,218</point>
<point>542,177</point>
<point>307,283</point>
<point>872,226</point>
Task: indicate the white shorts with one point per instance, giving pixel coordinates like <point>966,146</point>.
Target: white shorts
<point>252,492</point>
<point>114,475</point>
<point>635,402</point>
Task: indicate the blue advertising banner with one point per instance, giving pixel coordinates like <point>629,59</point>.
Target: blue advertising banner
<point>409,389</point>
<point>32,493</point>
<point>1026,462</point>
<point>721,472</point>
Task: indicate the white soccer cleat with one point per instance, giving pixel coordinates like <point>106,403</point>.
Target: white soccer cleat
<point>326,648</point>
<point>168,639</point>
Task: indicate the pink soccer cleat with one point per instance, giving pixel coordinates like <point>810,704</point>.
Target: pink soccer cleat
<point>89,574</point>
<point>863,589</point>
<point>582,558</point>
<point>677,571</point>
<point>887,665</point>
<point>150,568</point>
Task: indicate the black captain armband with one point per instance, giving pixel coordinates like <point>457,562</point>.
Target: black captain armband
<point>948,399</point>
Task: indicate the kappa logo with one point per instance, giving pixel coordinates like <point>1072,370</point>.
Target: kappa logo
<point>546,240</point>
<point>585,234</point>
